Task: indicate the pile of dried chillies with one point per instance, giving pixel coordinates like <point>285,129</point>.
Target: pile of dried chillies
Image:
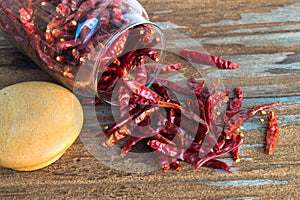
<point>194,132</point>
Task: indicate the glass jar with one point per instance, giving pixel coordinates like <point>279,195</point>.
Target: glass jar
<point>86,45</point>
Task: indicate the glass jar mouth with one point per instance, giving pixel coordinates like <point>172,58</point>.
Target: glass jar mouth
<point>123,43</point>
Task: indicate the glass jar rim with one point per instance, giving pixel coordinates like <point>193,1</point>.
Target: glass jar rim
<point>110,42</point>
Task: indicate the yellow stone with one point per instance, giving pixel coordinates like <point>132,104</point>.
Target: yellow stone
<point>39,121</point>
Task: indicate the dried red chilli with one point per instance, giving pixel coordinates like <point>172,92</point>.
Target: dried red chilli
<point>272,132</point>
<point>236,103</point>
<point>146,93</point>
<point>232,109</point>
<point>176,165</point>
<point>124,97</point>
<point>141,73</point>
<point>235,154</point>
<point>118,135</point>
<point>183,89</point>
<point>128,146</point>
<point>166,68</point>
<point>196,86</point>
<point>229,146</point>
<point>205,59</point>
<point>217,164</point>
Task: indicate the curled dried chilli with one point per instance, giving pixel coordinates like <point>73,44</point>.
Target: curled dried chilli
<point>239,118</point>
<point>272,132</point>
<point>229,146</point>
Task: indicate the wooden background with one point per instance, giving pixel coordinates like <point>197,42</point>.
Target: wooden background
<point>264,37</point>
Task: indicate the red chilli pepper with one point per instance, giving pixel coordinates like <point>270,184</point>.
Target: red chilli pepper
<point>161,90</point>
<point>27,20</point>
<point>229,146</point>
<point>176,165</point>
<point>118,135</point>
<point>164,148</point>
<point>196,86</point>
<point>128,146</point>
<point>124,97</point>
<point>164,69</point>
<point>142,91</point>
<point>239,118</point>
<point>236,103</point>
<point>272,132</point>
<point>217,164</point>
<point>141,74</point>
<point>205,59</point>
<point>183,89</point>
<point>235,154</point>
<point>149,94</point>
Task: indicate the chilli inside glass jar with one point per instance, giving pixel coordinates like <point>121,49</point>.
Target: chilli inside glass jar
<point>86,45</point>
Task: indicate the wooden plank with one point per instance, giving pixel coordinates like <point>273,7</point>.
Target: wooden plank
<point>83,175</point>
<point>250,41</point>
<point>263,36</point>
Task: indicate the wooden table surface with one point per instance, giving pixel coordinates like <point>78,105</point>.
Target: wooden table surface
<point>264,37</point>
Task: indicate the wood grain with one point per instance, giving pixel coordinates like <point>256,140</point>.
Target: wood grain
<point>263,36</point>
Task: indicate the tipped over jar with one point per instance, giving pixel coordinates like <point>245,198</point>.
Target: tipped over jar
<point>86,45</point>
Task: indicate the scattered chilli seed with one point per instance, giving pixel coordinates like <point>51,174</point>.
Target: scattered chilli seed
<point>263,112</point>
